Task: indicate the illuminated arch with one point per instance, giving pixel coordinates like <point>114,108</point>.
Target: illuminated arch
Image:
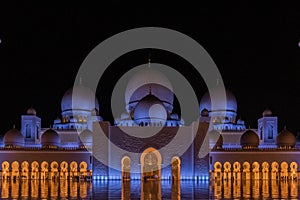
<point>294,170</point>
<point>265,170</point>
<point>236,170</point>
<point>15,169</point>
<point>274,170</point>
<point>34,170</point>
<point>83,169</point>
<point>255,170</point>
<point>151,164</point>
<point>217,170</point>
<point>5,170</point>
<point>44,170</point>
<point>64,170</point>
<point>246,170</point>
<point>176,168</point>
<point>125,168</point>
<point>227,171</point>
<point>54,170</point>
<point>25,170</point>
<point>284,170</point>
<point>73,170</point>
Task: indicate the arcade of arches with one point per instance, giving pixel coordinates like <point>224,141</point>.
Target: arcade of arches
<point>255,170</point>
<point>150,161</point>
<point>45,170</point>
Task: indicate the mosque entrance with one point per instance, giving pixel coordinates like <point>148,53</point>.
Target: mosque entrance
<point>150,164</point>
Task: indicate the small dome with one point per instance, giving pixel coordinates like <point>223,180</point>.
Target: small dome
<point>285,139</point>
<point>216,93</point>
<point>267,112</point>
<point>150,109</point>
<point>31,111</point>
<point>215,139</point>
<point>249,139</point>
<point>204,113</point>
<point>86,138</point>
<point>50,138</point>
<point>13,137</point>
<point>83,99</point>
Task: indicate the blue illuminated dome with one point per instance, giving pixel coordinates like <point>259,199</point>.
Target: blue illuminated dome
<point>50,138</point>
<point>83,99</point>
<point>13,137</point>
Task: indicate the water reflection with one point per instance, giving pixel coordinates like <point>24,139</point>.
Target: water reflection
<point>151,189</point>
<point>256,189</point>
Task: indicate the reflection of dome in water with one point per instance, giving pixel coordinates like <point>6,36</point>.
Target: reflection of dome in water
<point>13,137</point>
<point>50,138</point>
<point>83,99</point>
<point>249,139</point>
<point>216,94</point>
<point>150,109</point>
<point>285,139</point>
<point>138,87</point>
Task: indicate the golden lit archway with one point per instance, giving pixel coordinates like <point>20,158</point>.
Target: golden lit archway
<point>246,171</point>
<point>217,170</point>
<point>83,169</point>
<point>73,170</point>
<point>34,170</point>
<point>265,170</point>
<point>25,170</point>
<point>294,170</point>
<point>227,171</point>
<point>255,170</point>
<point>15,169</point>
<point>125,168</point>
<point>64,170</point>
<point>5,170</point>
<point>150,164</point>
<point>275,170</point>
<point>236,171</point>
<point>54,170</point>
<point>284,170</point>
<point>176,168</point>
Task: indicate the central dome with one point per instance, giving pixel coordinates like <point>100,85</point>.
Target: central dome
<point>83,99</point>
<point>138,87</point>
<point>150,110</point>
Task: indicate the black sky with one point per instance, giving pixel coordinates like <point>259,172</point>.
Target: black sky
<point>255,47</point>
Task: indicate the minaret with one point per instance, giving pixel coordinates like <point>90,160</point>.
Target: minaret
<point>267,127</point>
<point>31,126</point>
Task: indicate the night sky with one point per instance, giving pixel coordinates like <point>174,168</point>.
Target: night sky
<point>254,46</point>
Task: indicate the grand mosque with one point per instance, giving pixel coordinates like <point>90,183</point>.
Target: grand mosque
<point>73,148</point>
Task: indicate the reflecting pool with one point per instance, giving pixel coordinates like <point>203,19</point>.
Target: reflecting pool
<point>66,189</point>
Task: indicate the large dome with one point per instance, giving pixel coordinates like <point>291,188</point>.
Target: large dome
<point>149,79</point>
<point>286,139</point>
<point>13,137</point>
<point>83,99</point>
<point>50,138</point>
<point>150,109</point>
<point>216,93</point>
<point>249,139</point>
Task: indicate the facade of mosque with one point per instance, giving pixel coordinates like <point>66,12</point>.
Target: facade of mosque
<point>137,146</point>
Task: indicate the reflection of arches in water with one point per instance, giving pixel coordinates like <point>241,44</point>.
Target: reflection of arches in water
<point>5,169</point>
<point>150,164</point>
<point>34,170</point>
<point>255,170</point>
<point>176,168</point>
<point>217,170</point>
<point>176,193</point>
<point>15,169</point>
<point>64,170</point>
<point>265,170</point>
<point>151,189</point>
<point>227,171</point>
<point>236,171</point>
<point>125,168</point>
<point>25,170</point>
<point>275,170</point>
<point>126,190</point>
<point>54,170</point>
<point>73,169</point>
<point>294,170</point>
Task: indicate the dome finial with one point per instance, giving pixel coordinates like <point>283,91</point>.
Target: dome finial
<point>149,60</point>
